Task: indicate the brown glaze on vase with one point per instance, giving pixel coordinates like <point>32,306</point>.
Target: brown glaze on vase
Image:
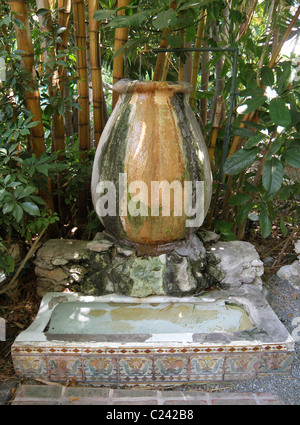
<point>152,135</point>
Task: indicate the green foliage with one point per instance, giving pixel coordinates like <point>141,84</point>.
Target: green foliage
<point>271,140</point>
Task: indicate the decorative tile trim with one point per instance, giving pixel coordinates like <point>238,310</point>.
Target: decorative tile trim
<point>21,349</point>
<point>152,368</point>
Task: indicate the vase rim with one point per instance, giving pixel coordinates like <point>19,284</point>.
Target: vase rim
<point>128,86</point>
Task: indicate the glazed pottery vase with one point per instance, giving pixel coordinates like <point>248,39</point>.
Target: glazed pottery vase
<point>151,139</point>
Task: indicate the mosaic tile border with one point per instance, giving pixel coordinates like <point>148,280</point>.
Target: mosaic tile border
<point>21,349</point>
<point>207,357</point>
<point>136,368</point>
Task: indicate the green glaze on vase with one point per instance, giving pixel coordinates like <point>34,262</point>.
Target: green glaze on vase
<point>151,136</point>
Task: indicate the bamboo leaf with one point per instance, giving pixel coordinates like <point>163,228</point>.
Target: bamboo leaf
<point>101,15</point>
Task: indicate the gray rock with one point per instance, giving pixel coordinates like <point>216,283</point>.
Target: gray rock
<point>208,237</point>
<point>239,261</point>
<point>139,277</point>
<point>291,273</point>
<point>60,251</point>
<point>192,248</point>
<point>297,246</point>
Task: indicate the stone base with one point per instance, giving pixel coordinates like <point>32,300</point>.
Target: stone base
<point>206,350</point>
<point>103,266</point>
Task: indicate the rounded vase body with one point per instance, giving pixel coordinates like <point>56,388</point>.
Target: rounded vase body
<point>148,160</point>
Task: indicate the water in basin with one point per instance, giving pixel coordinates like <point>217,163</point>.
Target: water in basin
<point>148,318</point>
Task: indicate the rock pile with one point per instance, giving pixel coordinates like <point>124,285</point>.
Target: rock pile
<point>103,266</point>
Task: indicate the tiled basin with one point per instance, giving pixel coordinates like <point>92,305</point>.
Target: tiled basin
<point>159,340</point>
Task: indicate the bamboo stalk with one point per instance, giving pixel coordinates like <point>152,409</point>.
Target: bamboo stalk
<point>197,56</point>
<point>64,11</point>
<point>284,38</point>
<point>181,62</point>
<point>215,129</point>
<point>95,60</point>
<point>83,88</point>
<point>204,87</point>
<point>46,27</point>
<point>166,66</point>
<point>161,56</point>
<point>32,98</point>
<point>121,36</point>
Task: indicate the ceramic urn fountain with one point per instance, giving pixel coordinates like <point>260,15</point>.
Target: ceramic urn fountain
<point>151,170</point>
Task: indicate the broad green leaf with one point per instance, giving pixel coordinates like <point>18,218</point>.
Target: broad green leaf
<point>253,141</point>
<point>239,199</point>
<point>42,12</point>
<point>8,207</point>
<point>251,92</point>
<point>242,215</point>
<point>267,76</point>
<point>3,192</point>
<point>279,112</point>
<point>43,168</point>
<point>254,103</point>
<point>272,175</point>
<point>240,160</point>
<point>243,132</point>
<point>17,212</point>
<point>276,145</point>
<point>165,19</point>
<point>292,157</point>
<point>30,208</point>
<point>27,191</point>
<point>265,223</point>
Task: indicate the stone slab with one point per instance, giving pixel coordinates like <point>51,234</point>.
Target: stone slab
<point>157,359</point>
<point>60,395</point>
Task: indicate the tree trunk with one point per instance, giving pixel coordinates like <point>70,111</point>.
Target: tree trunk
<point>95,59</point>
<point>121,36</point>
